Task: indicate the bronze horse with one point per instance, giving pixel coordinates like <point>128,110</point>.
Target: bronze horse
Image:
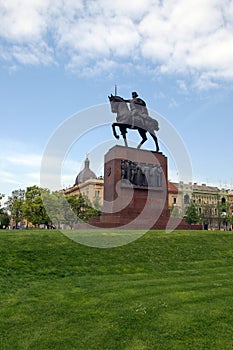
<point>126,121</point>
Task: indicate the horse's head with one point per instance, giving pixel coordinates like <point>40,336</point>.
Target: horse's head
<point>116,102</point>
<point>115,98</point>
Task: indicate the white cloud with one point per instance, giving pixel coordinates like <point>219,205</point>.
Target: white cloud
<point>23,20</point>
<point>23,170</point>
<point>182,85</point>
<point>17,165</point>
<point>173,103</point>
<point>32,54</point>
<point>122,8</point>
<point>32,160</point>
<point>7,177</point>
<point>91,37</point>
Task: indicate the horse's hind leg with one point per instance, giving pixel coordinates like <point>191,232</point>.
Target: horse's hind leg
<point>123,133</point>
<point>143,136</point>
<point>155,140</point>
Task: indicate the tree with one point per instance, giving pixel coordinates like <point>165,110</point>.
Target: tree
<point>15,205</point>
<point>4,219</point>
<point>78,205</point>
<point>175,211</point>
<point>58,208</point>
<point>223,209</point>
<point>1,196</point>
<point>191,215</point>
<point>97,205</point>
<point>82,207</point>
<point>70,217</point>
<point>33,208</point>
<point>231,221</point>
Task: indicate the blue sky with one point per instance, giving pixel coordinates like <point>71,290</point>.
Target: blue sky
<point>60,58</point>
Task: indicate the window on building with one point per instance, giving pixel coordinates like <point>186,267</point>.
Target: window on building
<point>97,194</point>
<point>174,200</point>
<point>186,199</point>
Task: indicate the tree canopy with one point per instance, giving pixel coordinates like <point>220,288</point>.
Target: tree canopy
<point>191,215</point>
<point>40,206</point>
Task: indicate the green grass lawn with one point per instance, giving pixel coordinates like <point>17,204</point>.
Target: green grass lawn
<point>163,291</point>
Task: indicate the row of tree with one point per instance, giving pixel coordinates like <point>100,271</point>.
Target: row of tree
<point>4,217</point>
<point>192,216</point>
<point>38,206</point>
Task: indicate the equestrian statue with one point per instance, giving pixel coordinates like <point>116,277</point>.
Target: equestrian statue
<point>134,118</point>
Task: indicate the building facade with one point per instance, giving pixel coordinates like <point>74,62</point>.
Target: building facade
<point>212,203</point>
<point>88,185</point>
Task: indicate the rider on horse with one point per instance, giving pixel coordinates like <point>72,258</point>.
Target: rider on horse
<point>142,121</point>
<point>137,107</point>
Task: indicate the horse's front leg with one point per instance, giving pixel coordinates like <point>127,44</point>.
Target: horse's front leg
<point>125,140</point>
<point>114,131</point>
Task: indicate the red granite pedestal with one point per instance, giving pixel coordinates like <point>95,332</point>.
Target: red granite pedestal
<point>135,190</point>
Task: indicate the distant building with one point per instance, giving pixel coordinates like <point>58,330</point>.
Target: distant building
<point>88,184</point>
<point>230,200</point>
<point>211,202</point>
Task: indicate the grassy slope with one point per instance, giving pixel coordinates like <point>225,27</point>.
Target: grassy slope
<point>163,291</point>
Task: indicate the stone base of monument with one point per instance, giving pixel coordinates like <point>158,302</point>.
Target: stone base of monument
<point>135,191</point>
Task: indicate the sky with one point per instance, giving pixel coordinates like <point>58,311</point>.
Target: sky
<point>60,59</point>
